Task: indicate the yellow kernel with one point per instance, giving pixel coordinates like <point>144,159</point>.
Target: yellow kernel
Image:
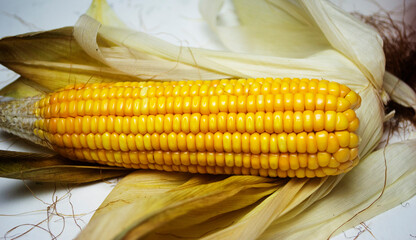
<point>353,125</point>
<point>333,144</point>
<point>320,101</point>
<point>147,142</point>
<point>298,102</point>
<point>288,101</point>
<point>345,166</point>
<point>195,105</point>
<point>219,159</point>
<point>200,141</point>
<point>279,102</point>
<point>274,147</point>
<point>354,99</point>
<point>342,155</point>
<point>282,142</point>
<point>333,163</point>
<point>342,122</point>
<point>278,122</point>
<point>342,104</point>
<point>291,142</point>
<point>231,122</point>
<point>218,142</point>
<point>232,104</point>
<point>330,121</point>
<point>255,143</point>
<point>288,121</point>
<point>251,103</point>
<point>343,138</point>
<point>284,164</point>
<point>312,162</point>
<point>236,142</point>
<point>333,88</point>
<point>242,104</point>
<point>319,121</point>
<point>223,103</point>
<point>210,158</point>
<point>274,161</point>
<point>250,123</point>
<point>265,142</point>
<point>311,145</point>
<point>310,101</point>
<point>353,153</point>
<point>260,103</point>
<point>323,159</point>
<point>331,103</point>
<point>350,114</point>
<point>229,159</point>
<point>322,140</point>
<point>308,121</point>
<point>194,123</point>
<point>301,142</point>
<point>298,122</point>
<point>329,171</point>
<point>293,161</point>
<point>213,104</point>
<point>245,142</point>
<point>354,140</point>
<point>268,103</point>
<point>227,142</point>
<point>172,142</point>
<point>160,107</point>
<point>259,122</point>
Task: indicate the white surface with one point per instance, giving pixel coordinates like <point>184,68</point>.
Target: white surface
<point>178,22</point>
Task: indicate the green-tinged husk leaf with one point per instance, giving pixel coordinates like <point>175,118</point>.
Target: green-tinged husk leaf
<point>102,12</point>
<point>22,88</point>
<point>53,59</point>
<point>45,167</point>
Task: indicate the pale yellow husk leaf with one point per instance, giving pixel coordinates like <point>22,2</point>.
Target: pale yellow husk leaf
<point>399,91</point>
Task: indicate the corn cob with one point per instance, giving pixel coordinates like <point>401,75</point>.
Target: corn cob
<point>268,127</point>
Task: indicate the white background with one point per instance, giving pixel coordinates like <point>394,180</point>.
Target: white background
<point>28,205</point>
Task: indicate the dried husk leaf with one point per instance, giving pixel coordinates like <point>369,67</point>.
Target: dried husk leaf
<point>53,59</point>
<point>399,91</point>
<point>46,167</point>
<point>149,201</point>
<point>297,37</point>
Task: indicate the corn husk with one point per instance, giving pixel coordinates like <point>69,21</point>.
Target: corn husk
<point>47,167</point>
<point>311,39</point>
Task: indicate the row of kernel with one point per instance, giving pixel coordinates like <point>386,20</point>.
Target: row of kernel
<point>228,88</point>
<point>259,122</point>
<point>300,173</point>
<point>283,162</point>
<point>131,90</point>
<point>204,105</point>
<point>218,142</point>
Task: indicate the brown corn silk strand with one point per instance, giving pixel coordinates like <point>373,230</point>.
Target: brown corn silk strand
<point>399,48</point>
